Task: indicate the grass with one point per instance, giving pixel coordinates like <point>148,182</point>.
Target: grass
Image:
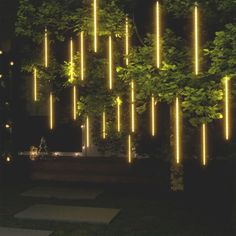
<point>144,212</point>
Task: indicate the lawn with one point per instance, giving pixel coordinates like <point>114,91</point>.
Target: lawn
<point>144,212</point>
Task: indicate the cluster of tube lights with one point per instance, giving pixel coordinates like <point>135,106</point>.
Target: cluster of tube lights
<point>82,55</point>
<point>227,105</point>
<point>104,125</point>
<point>87,132</point>
<point>118,103</point>
<point>110,64</point>
<point>35,86</point>
<point>95,24</point>
<point>177,130</point>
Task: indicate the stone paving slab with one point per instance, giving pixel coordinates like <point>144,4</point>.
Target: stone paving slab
<point>23,232</point>
<point>63,193</point>
<point>70,214</point>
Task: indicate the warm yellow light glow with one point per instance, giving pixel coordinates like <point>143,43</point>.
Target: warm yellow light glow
<point>74,103</point>
<point>110,64</point>
<point>35,86</point>
<point>196,36</point>
<point>153,115</point>
<point>126,41</point>
<point>104,125</point>
<point>129,149</point>
<point>8,159</point>
<point>46,47</point>
<point>227,109</point>
<point>132,107</point>
<point>118,101</point>
<point>87,132</point>
<point>158,57</point>
<point>51,111</point>
<point>204,144</point>
<point>177,131</point>
<point>82,54</point>
<point>71,61</point>
<point>95,24</point>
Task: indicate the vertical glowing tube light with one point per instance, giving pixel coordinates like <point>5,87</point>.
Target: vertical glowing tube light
<point>204,151</point>
<point>87,132</point>
<point>196,39</point>
<point>72,78</point>
<point>35,86</point>
<point>118,114</point>
<point>95,24</point>
<point>158,34</point>
<point>71,60</point>
<point>82,55</point>
<point>153,116</point>
<point>177,131</point>
<point>227,105</point>
<point>51,111</point>
<point>132,108</point>
<point>127,41</point>
<point>104,125</point>
<point>129,149</point>
<point>74,102</point>
<point>110,64</point>
<point>46,48</point>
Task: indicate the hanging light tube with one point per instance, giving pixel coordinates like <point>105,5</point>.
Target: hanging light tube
<point>46,48</point>
<point>158,34</point>
<point>126,42</point>
<point>35,85</point>
<point>110,64</point>
<point>82,54</point>
<point>95,24</point>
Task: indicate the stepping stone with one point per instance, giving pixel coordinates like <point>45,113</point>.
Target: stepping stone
<point>71,214</point>
<point>63,193</point>
<point>23,232</point>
